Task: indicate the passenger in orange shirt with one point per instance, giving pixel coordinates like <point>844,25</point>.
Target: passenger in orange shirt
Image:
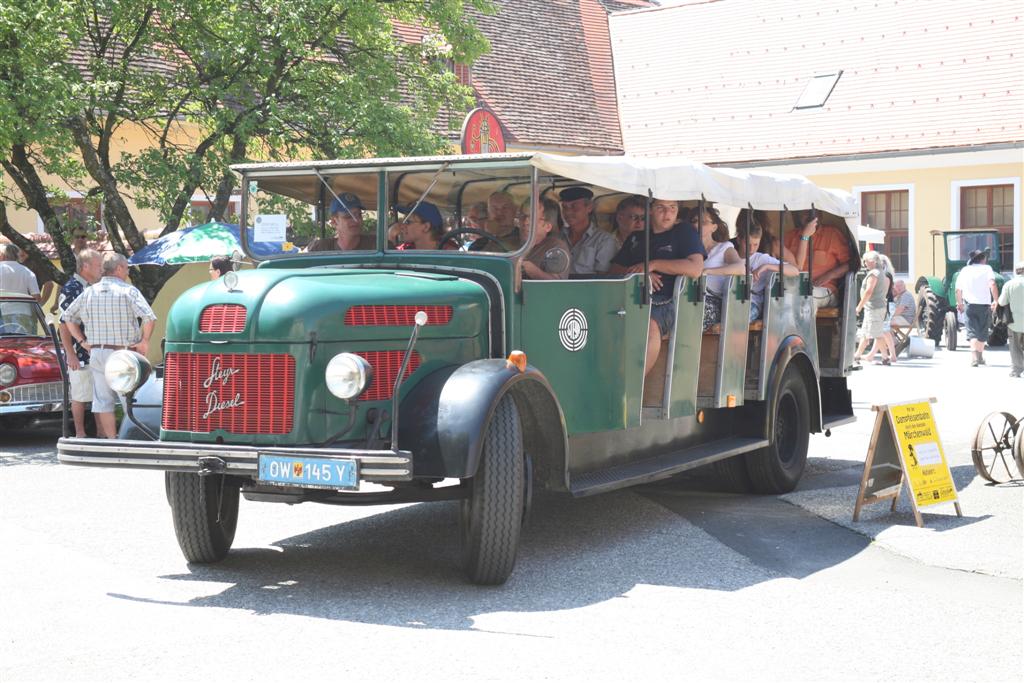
<point>831,256</point>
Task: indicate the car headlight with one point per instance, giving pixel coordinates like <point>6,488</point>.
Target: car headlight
<point>126,371</point>
<point>8,373</point>
<point>347,375</point>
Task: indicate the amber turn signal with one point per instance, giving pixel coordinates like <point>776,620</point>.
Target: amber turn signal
<point>518,360</point>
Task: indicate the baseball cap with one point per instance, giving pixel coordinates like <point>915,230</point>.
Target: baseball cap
<point>427,211</point>
<point>345,201</point>
<point>576,192</point>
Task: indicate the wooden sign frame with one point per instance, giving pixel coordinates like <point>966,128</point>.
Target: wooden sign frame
<point>886,468</point>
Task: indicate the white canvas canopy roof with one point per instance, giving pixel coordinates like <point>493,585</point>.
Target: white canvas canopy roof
<point>683,179</point>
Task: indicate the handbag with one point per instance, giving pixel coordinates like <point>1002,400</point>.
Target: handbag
<point>1003,315</point>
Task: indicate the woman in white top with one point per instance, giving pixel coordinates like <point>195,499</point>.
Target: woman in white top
<point>714,233</point>
<point>761,264</point>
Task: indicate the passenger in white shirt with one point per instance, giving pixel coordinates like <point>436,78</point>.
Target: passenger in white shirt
<point>976,296</point>
<point>15,277</point>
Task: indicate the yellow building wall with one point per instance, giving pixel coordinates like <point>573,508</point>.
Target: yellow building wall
<point>933,203</point>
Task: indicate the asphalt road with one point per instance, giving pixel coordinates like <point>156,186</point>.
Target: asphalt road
<point>673,581</point>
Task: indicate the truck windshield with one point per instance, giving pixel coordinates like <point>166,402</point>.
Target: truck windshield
<point>959,246</point>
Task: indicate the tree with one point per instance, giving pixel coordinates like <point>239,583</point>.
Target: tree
<point>210,83</point>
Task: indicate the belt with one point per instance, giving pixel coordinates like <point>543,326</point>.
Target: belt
<point>109,346</point>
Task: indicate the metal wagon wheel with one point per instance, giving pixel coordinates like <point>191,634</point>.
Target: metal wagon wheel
<point>993,447</point>
<point>1018,447</point>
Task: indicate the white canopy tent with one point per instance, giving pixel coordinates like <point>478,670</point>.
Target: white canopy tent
<point>683,179</point>
<point>866,233</point>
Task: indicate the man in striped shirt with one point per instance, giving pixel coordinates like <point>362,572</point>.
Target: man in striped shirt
<point>117,316</point>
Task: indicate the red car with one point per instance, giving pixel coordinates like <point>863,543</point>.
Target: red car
<point>31,388</point>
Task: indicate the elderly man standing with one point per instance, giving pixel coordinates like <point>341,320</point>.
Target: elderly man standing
<point>90,268</point>
<point>347,220</point>
<point>1013,296</point>
<point>592,248</point>
<point>976,294</point>
<point>111,311</point>
<point>15,277</point>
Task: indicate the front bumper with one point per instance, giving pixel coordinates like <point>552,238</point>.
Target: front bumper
<point>381,466</point>
<point>30,408</point>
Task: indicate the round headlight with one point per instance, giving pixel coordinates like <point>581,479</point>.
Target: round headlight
<point>347,375</point>
<point>8,373</point>
<point>126,371</point>
<point>230,280</point>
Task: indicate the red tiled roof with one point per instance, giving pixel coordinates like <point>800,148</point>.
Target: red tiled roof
<point>718,80</point>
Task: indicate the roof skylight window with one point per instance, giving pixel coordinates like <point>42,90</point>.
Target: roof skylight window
<point>817,91</point>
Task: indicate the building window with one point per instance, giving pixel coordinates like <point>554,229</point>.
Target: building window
<point>890,211</point>
<point>200,209</point>
<point>817,90</point>
<point>990,207</point>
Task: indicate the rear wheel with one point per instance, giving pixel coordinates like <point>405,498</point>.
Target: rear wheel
<point>778,467</point>
<point>205,513</point>
<point>951,330</point>
<point>491,517</point>
<point>929,324</point>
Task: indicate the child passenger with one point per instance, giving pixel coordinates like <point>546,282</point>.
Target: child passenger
<point>761,264</point>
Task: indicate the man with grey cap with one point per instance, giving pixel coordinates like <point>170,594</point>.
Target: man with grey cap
<point>592,248</point>
<point>976,295</point>
<point>347,220</point>
<point>1013,296</point>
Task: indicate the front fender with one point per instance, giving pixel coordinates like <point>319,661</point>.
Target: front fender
<point>147,409</point>
<point>444,418</point>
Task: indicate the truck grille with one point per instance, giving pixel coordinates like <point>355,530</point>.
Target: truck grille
<point>222,318</point>
<point>241,393</point>
<point>404,315</point>
<point>385,370</point>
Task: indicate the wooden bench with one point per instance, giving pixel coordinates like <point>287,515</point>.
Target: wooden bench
<point>828,312</point>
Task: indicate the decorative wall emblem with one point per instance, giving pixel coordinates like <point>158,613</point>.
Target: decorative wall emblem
<point>572,330</point>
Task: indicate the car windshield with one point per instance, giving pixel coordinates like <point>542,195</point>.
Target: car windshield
<point>19,319</point>
<point>960,246</point>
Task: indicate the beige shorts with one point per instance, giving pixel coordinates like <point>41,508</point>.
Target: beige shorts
<point>81,384</point>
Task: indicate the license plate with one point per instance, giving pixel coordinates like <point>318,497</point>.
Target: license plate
<point>297,470</point>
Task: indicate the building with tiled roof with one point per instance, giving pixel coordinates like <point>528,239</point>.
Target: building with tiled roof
<point>917,106</point>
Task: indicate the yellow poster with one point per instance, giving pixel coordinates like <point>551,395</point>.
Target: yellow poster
<point>921,451</point>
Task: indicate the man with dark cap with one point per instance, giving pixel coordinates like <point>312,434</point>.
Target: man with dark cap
<point>420,229</point>
<point>347,220</point>
<point>592,248</point>
<point>976,295</point>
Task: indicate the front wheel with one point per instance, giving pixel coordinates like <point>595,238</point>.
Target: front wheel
<point>777,468</point>
<point>491,518</point>
<point>951,330</point>
<point>205,514</point>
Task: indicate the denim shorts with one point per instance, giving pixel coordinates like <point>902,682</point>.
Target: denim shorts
<point>664,313</point>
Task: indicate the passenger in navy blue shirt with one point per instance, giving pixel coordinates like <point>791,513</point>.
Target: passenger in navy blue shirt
<point>675,249</point>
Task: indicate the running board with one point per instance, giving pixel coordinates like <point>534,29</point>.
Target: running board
<point>832,421</point>
<point>660,467</point>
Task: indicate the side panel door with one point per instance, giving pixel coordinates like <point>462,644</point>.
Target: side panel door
<point>588,337</point>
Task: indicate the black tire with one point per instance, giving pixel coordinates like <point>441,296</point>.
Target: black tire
<point>491,517</point>
<point>951,327</point>
<point>731,475</point>
<point>929,322</point>
<point>203,537</point>
<point>998,336</point>
<point>778,467</point>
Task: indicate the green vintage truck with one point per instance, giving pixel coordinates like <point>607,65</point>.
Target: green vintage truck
<point>384,375</point>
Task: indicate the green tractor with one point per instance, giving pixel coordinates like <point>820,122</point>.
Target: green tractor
<point>936,298</point>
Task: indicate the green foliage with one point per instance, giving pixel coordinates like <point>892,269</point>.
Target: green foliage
<point>216,82</point>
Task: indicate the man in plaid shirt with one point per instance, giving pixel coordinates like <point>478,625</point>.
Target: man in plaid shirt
<point>90,266</point>
<point>111,310</point>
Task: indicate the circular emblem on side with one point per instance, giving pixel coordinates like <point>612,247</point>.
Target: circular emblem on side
<point>572,330</point>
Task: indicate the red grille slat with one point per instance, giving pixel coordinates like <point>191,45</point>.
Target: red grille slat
<point>379,315</point>
<point>220,318</point>
<point>264,385</point>
<point>385,369</point>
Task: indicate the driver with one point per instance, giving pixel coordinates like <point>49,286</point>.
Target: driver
<point>501,222</point>
<point>347,220</point>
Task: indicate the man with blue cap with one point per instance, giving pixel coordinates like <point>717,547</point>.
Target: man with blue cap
<point>347,220</point>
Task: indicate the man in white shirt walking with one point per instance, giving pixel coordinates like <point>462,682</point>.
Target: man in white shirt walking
<point>976,295</point>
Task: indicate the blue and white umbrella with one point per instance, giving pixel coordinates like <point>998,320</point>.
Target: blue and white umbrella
<point>201,243</point>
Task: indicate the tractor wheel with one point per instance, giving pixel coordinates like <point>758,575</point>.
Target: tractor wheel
<point>997,336</point>
<point>929,323</point>
<point>951,330</point>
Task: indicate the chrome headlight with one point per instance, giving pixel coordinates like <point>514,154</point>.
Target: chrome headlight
<point>8,373</point>
<point>347,375</point>
<point>126,371</point>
